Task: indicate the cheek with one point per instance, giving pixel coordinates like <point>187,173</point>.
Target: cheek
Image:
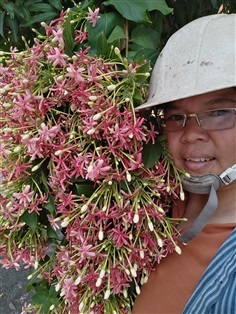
<point>173,140</point>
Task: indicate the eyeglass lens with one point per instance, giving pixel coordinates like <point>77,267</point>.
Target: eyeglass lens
<point>209,120</point>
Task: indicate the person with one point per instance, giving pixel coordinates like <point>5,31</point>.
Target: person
<point>193,89</point>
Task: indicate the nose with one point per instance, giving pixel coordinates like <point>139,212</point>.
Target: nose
<point>192,130</point>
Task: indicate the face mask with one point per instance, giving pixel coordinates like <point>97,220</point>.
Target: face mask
<point>206,184</point>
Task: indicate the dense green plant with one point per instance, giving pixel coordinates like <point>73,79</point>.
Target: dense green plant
<point>142,26</point>
<point>127,32</point>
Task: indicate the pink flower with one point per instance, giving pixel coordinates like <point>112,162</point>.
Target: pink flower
<point>46,134</point>
<point>93,16</point>
<point>57,57</point>
<point>24,197</point>
<point>85,252</point>
<point>97,169</point>
<point>80,36</point>
<point>58,36</point>
<point>69,288</point>
<point>75,73</point>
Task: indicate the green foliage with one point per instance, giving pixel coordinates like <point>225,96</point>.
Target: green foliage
<point>139,28</point>
<point>45,295</point>
<point>17,18</point>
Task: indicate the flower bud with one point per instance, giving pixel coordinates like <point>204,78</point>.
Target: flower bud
<point>97,116</point>
<point>107,294</point>
<point>137,289</point>
<point>178,249</point>
<point>43,24</point>
<point>98,282</point>
<point>117,51</point>
<point>93,98</point>
<point>150,226</point>
<point>125,293</point>
<point>91,131</point>
<point>78,280</point>
<point>36,264</point>
<point>141,253</point>
<point>25,136</point>
<point>57,287</point>
<point>133,272</point>
<point>102,273</point>
<point>160,242</point>
<point>65,222</point>
<point>58,152</point>
<point>84,208</point>
<point>100,235</point>
<point>81,305</point>
<point>136,218</point>
<point>182,196</point>
<point>111,87</point>
<point>128,176</point>
<point>35,168</point>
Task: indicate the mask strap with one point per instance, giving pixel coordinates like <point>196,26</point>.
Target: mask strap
<point>200,222</point>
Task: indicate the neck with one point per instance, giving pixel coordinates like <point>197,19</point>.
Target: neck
<point>226,210</point>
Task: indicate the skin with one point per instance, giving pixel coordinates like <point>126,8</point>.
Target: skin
<point>200,152</point>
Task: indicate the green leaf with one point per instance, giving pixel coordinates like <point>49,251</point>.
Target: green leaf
<point>31,219</point>
<point>42,299</point>
<point>105,25</point>
<point>142,70</point>
<point>68,34</point>
<point>84,189</point>
<point>102,46</point>
<point>117,33</point>
<point>145,36</point>
<point>137,96</point>
<point>25,13</point>
<point>13,24</point>
<point>42,17</point>
<point>152,153</point>
<point>9,7</point>
<point>56,4</point>
<point>136,10</point>
<point>50,205</point>
<point>30,3</point>
<point>148,54</point>
<point>51,233</point>
<point>42,7</point>
<point>2,16</point>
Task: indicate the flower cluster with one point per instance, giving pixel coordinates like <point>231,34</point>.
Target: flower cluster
<point>77,203</point>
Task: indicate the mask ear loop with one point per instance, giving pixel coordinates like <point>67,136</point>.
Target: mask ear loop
<point>200,222</point>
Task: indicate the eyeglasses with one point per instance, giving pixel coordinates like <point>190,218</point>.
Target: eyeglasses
<point>216,119</point>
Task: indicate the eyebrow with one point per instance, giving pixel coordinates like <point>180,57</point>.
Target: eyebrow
<point>221,101</point>
<point>216,101</point>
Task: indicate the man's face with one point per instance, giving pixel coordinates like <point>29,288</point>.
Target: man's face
<point>200,151</point>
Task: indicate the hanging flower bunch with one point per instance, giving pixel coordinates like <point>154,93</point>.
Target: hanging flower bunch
<point>77,204</point>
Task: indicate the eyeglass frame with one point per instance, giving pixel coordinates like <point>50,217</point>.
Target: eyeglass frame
<point>186,118</point>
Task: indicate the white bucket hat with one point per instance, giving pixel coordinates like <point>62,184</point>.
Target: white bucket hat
<point>198,58</point>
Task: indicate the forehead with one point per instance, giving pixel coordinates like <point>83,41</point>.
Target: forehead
<point>225,98</point>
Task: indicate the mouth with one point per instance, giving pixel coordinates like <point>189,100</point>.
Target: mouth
<point>199,159</point>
